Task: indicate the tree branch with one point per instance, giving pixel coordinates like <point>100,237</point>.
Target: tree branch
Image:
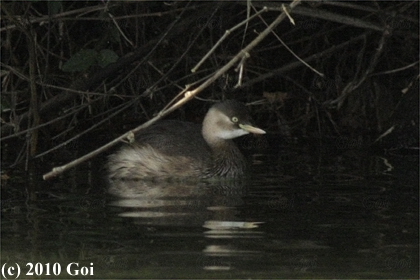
<point>188,95</point>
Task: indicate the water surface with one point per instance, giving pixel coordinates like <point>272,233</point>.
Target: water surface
<point>307,211</point>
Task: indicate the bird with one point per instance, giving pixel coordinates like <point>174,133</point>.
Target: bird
<point>172,149</point>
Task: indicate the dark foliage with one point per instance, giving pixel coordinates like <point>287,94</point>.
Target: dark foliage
<point>75,69</point>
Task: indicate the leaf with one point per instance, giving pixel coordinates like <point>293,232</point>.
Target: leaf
<point>81,61</point>
<point>106,57</point>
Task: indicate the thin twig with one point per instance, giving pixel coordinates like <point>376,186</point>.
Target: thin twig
<point>396,70</point>
<point>64,14</point>
<point>240,68</point>
<point>183,54</point>
<point>124,107</point>
<point>119,29</point>
<point>289,49</point>
<point>354,84</point>
<point>227,33</point>
<point>47,123</point>
<point>296,64</point>
<point>283,7</point>
<point>187,96</point>
<point>326,15</point>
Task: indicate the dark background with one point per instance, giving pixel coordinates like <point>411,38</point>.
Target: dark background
<point>75,70</point>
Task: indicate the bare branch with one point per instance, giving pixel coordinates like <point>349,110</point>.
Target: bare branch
<point>187,96</point>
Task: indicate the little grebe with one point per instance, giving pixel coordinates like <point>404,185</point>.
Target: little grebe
<point>175,149</point>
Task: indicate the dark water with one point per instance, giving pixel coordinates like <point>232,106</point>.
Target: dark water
<point>307,212</point>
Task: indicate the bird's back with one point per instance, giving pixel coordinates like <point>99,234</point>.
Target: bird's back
<point>175,138</point>
<point>162,150</point>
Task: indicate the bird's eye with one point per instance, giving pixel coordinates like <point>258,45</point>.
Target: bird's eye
<point>235,119</point>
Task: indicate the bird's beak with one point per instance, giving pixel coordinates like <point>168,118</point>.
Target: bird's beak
<point>252,129</point>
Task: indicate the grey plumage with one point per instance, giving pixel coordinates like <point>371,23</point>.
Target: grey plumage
<point>175,149</point>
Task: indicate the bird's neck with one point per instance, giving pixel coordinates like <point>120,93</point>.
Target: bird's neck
<point>227,160</point>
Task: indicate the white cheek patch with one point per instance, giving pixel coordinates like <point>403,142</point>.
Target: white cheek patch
<point>224,134</point>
